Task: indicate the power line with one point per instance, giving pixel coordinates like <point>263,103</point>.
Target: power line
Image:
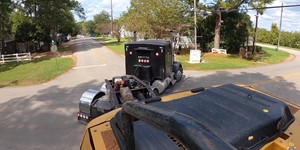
<point>258,8</point>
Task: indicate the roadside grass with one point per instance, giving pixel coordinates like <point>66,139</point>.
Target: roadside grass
<point>39,70</point>
<point>219,62</point>
<point>214,61</point>
<point>63,48</point>
<point>113,44</point>
<point>34,72</point>
<point>271,56</point>
<point>275,46</point>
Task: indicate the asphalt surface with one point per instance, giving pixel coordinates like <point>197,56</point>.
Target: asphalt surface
<point>44,116</point>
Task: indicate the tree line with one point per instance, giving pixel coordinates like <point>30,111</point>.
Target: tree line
<point>288,39</point>
<point>35,21</point>
<point>217,27</point>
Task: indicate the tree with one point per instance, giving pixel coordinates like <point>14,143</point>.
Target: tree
<point>102,23</point>
<point>90,26</point>
<point>6,8</point>
<point>117,30</point>
<point>233,31</point>
<point>102,18</point>
<point>274,33</point>
<point>103,29</point>
<point>155,19</point>
<point>17,18</point>
<point>228,5</point>
<point>52,16</point>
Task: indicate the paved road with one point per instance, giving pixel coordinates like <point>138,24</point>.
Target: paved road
<point>44,116</point>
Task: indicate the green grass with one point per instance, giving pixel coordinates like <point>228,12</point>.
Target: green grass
<point>271,56</point>
<point>275,46</point>
<point>63,48</point>
<point>113,44</point>
<point>213,61</point>
<point>220,62</point>
<point>34,72</point>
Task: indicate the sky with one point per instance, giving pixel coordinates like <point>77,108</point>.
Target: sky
<point>290,20</point>
<point>93,7</point>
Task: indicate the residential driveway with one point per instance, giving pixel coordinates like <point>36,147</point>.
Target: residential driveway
<point>44,116</point>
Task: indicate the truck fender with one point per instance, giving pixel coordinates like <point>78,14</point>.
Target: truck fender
<point>178,71</point>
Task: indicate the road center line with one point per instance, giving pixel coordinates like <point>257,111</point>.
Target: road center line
<point>91,66</point>
<point>97,54</point>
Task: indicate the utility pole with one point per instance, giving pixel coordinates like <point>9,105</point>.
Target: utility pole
<point>279,34</point>
<point>255,34</point>
<point>195,21</point>
<point>112,19</point>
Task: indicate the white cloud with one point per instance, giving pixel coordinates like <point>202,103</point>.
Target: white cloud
<point>93,7</point>
<point>289,18</point>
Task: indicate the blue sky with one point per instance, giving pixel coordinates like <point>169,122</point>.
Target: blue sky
<point>290,15</point>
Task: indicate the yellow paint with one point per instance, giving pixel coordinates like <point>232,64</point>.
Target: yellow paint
<point>99,57</point>
<point>100,123</point>
<point>250,138</point>
<point>266,110</point>
<point>176,96</point>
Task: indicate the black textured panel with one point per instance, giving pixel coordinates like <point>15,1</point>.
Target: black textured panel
<point>234,114</point>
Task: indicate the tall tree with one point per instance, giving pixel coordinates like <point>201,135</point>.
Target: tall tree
<point>117,29</point>
<point>274,33</point>
<point>52,15</point>
<point>221,5</point>
<point>90,26</point>
<point>102,23</point>
<point>102,18</point>
<point>155,18</point>
<point>6,8</point>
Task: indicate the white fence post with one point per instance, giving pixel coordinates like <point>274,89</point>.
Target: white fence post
<point>2,57</point>
<point>17,57</point>
<point>29,56</point>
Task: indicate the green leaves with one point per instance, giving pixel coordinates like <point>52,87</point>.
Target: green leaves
<point>6,7</point>
<point>154,19</point>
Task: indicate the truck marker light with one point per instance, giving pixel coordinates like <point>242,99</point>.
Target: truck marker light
<point>157,54</point>
<point>139,60</point>
<point>130,53</point>
<point>147,61</point>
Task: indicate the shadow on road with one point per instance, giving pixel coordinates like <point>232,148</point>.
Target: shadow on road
<point>80,44</point>
<point>278,86</point>
<point>47,120</point>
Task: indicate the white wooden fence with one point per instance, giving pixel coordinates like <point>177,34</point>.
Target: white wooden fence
<point>15,57</point>
<point>219,51</point>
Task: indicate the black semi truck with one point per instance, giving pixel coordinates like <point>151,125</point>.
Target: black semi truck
<point>150,69</point>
